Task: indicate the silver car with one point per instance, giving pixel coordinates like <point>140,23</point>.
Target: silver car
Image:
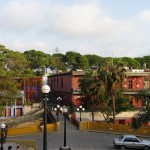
<point>131,141</point>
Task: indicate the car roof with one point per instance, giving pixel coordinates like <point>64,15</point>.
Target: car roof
<point>128,135</point>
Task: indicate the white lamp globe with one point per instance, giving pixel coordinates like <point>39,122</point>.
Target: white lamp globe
<point>3,125</point>
<point>45,89</point>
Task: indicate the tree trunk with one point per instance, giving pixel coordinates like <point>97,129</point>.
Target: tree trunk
<point>114,108</point>
<point>92,116</point>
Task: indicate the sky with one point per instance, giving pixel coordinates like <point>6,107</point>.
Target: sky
<point>107,28</point>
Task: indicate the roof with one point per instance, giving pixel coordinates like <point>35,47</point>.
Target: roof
<point>137,73</point>
<point>128,135</point>
<point>126,114</point>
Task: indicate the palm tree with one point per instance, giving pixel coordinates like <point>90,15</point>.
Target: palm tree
<point>113,77</point>
<point>101,89</point>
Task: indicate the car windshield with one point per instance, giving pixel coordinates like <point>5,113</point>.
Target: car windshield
<point>121,138</point>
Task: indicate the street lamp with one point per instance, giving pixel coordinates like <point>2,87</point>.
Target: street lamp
<point>3,125</point>
<point>45,90</point>
<point>65,114</point>
<point>59,99</point>
<point>80,109</point>
<point>58,109</point>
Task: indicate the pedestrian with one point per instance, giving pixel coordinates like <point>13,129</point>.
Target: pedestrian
<point>17,148</point>
<point>41,126</point>
<point>9,147</point>
<point>6,130</point>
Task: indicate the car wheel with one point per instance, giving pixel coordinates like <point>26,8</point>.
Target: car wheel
<point>146,148</point>
<point>123,147</point>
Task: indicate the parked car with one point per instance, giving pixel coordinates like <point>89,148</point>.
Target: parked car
<point>131,141</point>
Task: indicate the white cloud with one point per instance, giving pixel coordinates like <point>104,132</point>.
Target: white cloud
<point>85,27</point>
<point>145,15</point>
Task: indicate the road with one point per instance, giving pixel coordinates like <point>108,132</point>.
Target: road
<point>75,139</point>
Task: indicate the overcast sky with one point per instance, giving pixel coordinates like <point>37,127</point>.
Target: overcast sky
<point>115,28</point>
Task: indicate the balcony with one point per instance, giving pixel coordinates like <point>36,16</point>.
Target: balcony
<point>131,91</point>
<point>76,91</point>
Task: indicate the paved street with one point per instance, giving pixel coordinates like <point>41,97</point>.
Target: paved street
<point>75,139</point>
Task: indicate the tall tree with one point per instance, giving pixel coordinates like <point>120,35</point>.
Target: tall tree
<point>87,86</point>
<point>8,87</point>
<point>143,116</point>
<point>13,65</point>
<point>38,60</point>
<point>58,62</point>
<point>76,61</point>
<point>113,76</point>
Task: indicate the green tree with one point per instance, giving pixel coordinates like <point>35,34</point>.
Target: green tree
<point>38,60</point>
<point>131,62</point>
<point>95,60</point>
<point>76,61</point>
<point>87,86</point>
<point>143,116</point>
<point>144,61</point>
<point>17,65</point>
<point>8,91</point>
<point>58,62</point>
<point>113,77</point>
<point>13,65</point>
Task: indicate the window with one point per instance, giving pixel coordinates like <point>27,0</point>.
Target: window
<point>121,138</point>
<point>54,82</point>
<point>130,84</point>
<point>61,82</point>
<point>135,140</point>
<point>128,139</point>
<point>57,82</point>
<point>51,82</point>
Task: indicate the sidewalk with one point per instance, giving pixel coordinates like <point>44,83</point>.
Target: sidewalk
<point>13,144</point>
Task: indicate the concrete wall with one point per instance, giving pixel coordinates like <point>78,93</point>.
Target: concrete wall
<point>32,129</point>
<point>112,128</point>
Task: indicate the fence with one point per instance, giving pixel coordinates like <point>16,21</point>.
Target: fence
<point>113,128</point>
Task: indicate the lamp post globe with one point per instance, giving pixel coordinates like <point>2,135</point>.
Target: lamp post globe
<point>45,90</point>
<point>3,125</point>
<point>80,109</point>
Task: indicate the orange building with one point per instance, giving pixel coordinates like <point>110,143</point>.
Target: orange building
<point>30,91</point>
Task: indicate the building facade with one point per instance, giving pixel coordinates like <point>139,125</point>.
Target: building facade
<point>29,93</point>
<point>66,86</point>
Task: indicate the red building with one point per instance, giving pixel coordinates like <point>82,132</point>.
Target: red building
<point>66,86</point>
<point>134,82</point>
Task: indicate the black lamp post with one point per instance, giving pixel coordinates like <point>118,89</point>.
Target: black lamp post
<point>65,113</point>
<point>45,91</point>
<point>2,135</point>
<point>80,109</point>
<point>59,99</point>
<point>65,147</point>
<point>58,109</point>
